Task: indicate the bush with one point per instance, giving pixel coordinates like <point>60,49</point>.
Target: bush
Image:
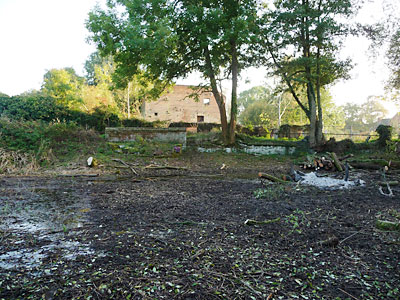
<point>21,135</point>
<point>37,107</point>
<point>101,118</point>
<point>385,134</point>
<point>38,136</point>
<point>133,122</point>
<point>30,107</point>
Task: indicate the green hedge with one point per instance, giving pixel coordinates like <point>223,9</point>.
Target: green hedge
<point>37,107</point>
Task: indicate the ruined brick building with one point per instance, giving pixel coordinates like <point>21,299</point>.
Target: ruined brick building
<point>176,106</point>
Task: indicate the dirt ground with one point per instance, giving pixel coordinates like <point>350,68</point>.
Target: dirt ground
<point>181,234</point>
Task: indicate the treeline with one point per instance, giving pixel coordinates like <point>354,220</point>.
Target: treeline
<point>92,101</point>
<point>37,107</point>
<point>272,108</point>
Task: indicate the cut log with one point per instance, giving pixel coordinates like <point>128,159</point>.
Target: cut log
<point>374,164</point>
<point>336,162</point>
<point>270,177</point>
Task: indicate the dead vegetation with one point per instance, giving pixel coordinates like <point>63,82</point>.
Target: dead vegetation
<point>16,162</point>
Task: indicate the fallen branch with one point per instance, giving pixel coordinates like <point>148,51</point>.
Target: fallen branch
<point>350,236</point>
<point>254,222</point>
<point>343,291</point>
<point>270,177</point>
<point>346,157</point>
<point>390,194</point>
<point>391,183</point>
<point>387,225</point>
<point>164,167</point>
<point>125,164</point>
<point>188,223</point>
<point>79,175</point>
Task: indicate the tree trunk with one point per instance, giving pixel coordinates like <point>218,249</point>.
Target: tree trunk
<point>305,37</point>
<point>218,97</point>
<point>235,71</point>
<point>319,136</point>
<point>313,115</point>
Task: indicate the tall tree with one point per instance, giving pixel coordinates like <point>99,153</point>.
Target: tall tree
<point>364,117</point>
<point>303,38</point>
<point>393,55</point>
<point>171,39</point>
<point>389,31</point>
<point>64,85</point>
<point>2,95</point>
<point>261,105</point>
<point>106,88</point>
<point>275,107</point>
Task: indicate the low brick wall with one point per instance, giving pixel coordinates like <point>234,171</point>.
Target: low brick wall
<point>130,134</point>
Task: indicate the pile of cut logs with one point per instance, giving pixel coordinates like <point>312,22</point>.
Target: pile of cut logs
<point>329,162</point>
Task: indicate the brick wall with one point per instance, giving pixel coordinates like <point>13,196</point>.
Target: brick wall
<point>126,134</point>
<point>175,106</point>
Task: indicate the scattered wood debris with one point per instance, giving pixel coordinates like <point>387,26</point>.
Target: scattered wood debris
<point>328,162</point>
<point>254,222</point>
<point>158,167</point>
<point>125,164</point>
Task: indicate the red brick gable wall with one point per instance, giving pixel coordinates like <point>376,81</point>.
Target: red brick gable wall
<point>175,106</point>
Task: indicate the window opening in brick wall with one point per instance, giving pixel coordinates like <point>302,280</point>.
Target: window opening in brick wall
<point>206,101</point>
<point>156,114</point>
<point>200,119</point>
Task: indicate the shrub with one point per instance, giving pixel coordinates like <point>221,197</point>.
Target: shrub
<point>385,134</point>
<point>37,107</point>
<point>21,135</point>
<point>30,107</point>
<point>38,137</point>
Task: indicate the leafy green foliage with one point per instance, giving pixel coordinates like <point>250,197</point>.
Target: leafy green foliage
<point>363,117</point>
<point>166,40</point>
<point>394,59</point>
<point>31,106</point>
<point>46,140</point>
<point>385,134</point>
<point>261,106</point>
<point>270,193</point>
<point>39,107</point>
<point>21,135</point>
<point>302,38</point>
<point>64,85</point>
<point>106,87</point>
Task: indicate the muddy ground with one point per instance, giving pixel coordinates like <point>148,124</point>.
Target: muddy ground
<point>181,234</point>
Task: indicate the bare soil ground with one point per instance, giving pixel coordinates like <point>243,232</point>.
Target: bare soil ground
<point>181,234</point>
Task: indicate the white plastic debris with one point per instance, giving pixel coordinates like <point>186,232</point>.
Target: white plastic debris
<point>329,183</point>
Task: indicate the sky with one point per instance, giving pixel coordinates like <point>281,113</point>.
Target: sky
<point>39,35</point>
